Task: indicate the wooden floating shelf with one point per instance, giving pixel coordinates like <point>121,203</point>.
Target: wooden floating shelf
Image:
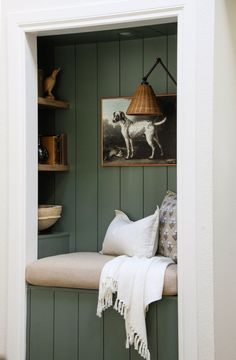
<point>55,104</point>
<point>53,235</point>
<point>46,167</point>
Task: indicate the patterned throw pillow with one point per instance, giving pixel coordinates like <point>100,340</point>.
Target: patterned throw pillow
<point>168,226</point>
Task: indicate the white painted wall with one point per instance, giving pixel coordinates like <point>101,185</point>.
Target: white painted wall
<point>14,5</point>
<point>225,179</point>
<point>220,73</point>
<point>3,195</point>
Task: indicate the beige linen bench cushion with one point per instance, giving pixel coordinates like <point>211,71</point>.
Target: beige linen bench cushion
<point>81,270</point>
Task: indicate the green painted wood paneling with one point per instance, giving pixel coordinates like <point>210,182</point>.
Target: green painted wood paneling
<point>28,320</point>
<point>66,325</point>
<point>46,126</point>
<point>46,187</point>
<point>114,336</point>
<point>152,329</point>
<point>132,191</point>
<point>87,145</point>
<point>53,244</point>
<point>63,325</point>
<point>134,355</point>
<point>155,178</point>
<point>151,325</point>
<point>90,328</point>
<point>41,324</point>
<point>108,70</point>
<point>45,55</point>
<point>172,66</point>
<point>154,48</point>
<point>167,328</point>
<point>65,122</point>
<point>46,180</point>
<point>131,70</point>
<point>112,35</point>
<point>108,179</point>
<point>90,193</point>
<point>155,186</point>
<point>131,66</point>
<point>172,185</point>
<point>172,62</point>
<point>46,121</point>
<point>108,200</point>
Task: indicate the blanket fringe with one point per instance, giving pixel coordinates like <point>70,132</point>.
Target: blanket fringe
<point>120,307</point>
<point>108,288</point>
<point>132,337</point>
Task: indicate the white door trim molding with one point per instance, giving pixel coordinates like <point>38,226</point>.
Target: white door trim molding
<point>195,320</point>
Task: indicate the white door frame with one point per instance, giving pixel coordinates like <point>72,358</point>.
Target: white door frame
<point>194,179</point>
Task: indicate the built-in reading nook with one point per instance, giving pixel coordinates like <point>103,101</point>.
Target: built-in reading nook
<point>96,157</point>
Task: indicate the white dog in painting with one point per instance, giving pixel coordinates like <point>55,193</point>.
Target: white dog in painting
<point>130,130</point>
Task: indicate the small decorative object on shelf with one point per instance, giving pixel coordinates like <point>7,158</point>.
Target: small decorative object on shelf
<point>56,146</point>
<point>42,152</point>
<point>48,216</point>
<point>50,82</point>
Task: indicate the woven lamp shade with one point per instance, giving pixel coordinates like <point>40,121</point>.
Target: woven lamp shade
<point>144,102</point>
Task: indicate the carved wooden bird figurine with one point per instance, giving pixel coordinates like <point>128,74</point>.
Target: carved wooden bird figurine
<point>50,82</point>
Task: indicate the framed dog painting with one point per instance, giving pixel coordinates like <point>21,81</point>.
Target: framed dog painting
<point>138,140</point>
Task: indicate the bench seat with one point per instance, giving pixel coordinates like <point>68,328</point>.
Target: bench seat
<point>81,270</point>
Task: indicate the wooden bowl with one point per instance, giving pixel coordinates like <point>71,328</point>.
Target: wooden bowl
<point>49,210</point>
<point>46,222</point>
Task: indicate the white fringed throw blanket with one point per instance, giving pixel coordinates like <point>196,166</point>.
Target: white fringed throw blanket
<point>138,282</point>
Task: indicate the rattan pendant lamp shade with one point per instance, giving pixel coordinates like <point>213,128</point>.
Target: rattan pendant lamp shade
<point>144,100</point>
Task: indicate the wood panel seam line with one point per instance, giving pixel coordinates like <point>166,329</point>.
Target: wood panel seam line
<point>98,143</point>
<point>78,330</point>
<point>54,129</point>
<point>167,90</point>
<point>167,60</point>
<point>143,197</point>
<point>119,95</point>
<point>29,324</point>
<point>53,321</point>
<point>76,157</point>
<point>156,320</point>
<point>103,337</point>
<point>143,57</point>
<point>97,90</point>
<point>76,145</point>
<point>167,178</point>
<point>119,67</point>
<point>78,235</point>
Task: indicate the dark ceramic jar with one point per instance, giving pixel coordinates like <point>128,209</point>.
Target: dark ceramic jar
<point>42,152</point>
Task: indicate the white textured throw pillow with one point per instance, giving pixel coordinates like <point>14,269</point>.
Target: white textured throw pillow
<point>133,238</point>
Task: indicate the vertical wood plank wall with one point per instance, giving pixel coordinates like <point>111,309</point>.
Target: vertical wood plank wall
<point>63,325</point>
<point>90,193</point>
